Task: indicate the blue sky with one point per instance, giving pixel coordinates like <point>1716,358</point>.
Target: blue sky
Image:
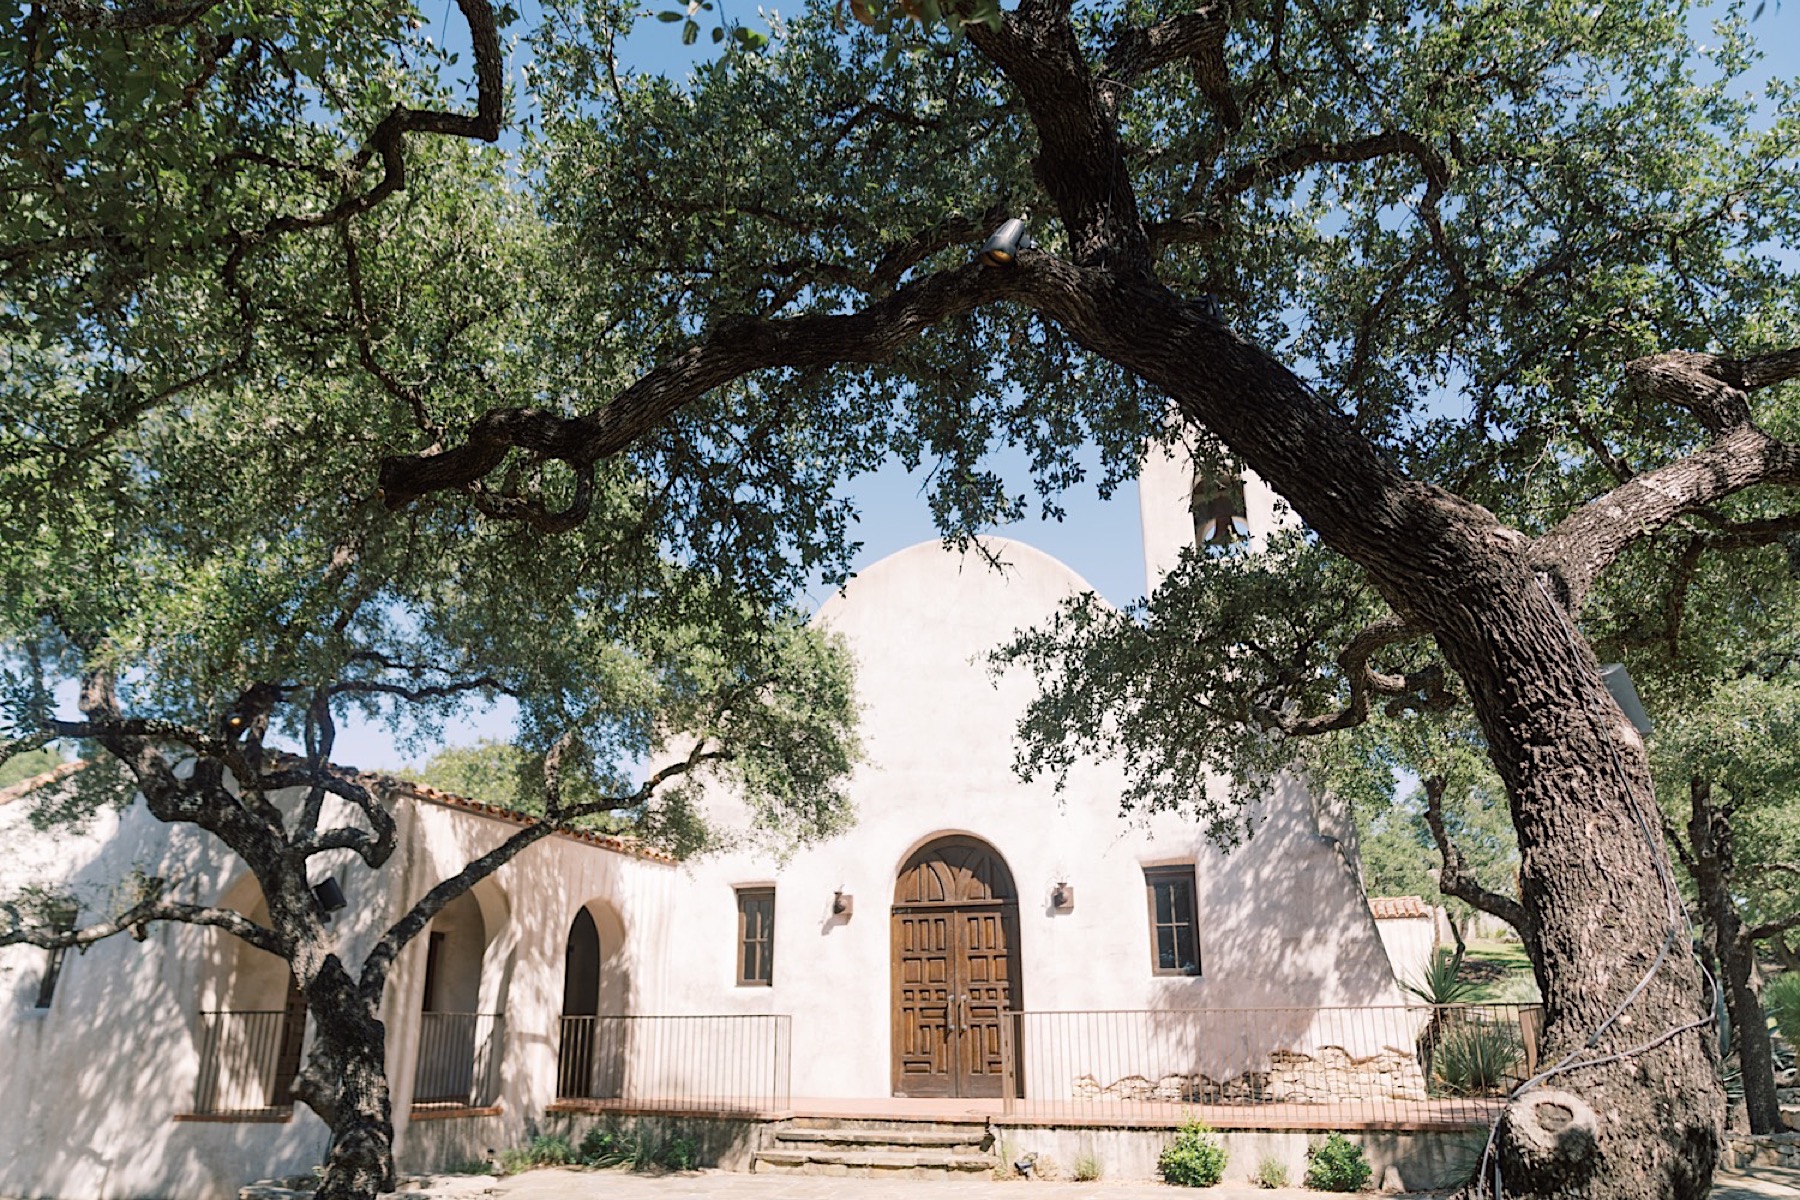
<point>1099,539</point>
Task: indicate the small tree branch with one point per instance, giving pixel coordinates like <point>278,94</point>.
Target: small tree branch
<point>1588,540</point>
<point>1771,929</point>
<point>1455,880</point>
<point>133,919</point>
<point>388,140</point>
<point>1365,682</point>
<point>381,958</point>
<point>1307,155</point>
<point>1196,36</point>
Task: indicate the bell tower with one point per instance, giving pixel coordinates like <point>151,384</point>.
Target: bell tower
<point>1181,504</point>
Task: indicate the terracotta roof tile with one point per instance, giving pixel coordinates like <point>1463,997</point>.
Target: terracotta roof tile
<point>389,785</point>
<point>1388,908</point>
<point>27,786</point>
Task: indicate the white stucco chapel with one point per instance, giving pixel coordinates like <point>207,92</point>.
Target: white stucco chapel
<point>943,947</point>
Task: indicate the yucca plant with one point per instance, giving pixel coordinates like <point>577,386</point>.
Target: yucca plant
<point>1438,985</point>
<point>1477,1058</point>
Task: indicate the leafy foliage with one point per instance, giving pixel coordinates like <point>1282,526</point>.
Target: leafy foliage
<point>1337,1164</point>
<point>1441,981</point>
<point>28,765</point>
<point>1196,1158</point>
<point>1781,995</point>
<point>1476,1058</point>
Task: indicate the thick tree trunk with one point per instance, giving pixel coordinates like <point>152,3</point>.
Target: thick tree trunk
<point>1712,859</point>
<point>1630,1104</point>
<point>360,1163</point>
<point>1622,993</point>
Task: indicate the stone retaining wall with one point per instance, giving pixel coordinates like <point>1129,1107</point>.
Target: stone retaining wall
<point>1333,1075</point>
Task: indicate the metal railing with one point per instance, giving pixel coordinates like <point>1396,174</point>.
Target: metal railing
<point>727,1063</point>
<point>244,1071</point>
<point>459,1059</point>
<point>1399,1065</point>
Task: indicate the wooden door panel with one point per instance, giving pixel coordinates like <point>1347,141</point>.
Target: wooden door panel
<point>986,991</point>
<point>923,1009</point>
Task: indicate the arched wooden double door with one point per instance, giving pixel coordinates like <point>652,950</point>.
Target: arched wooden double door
<point>956,969</point>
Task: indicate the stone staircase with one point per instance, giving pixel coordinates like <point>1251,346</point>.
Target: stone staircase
<point>890,1149</point>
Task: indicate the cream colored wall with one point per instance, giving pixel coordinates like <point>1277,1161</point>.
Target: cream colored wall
<point>95,1081</point>
<point>1282,920</point>
<point>1409,942</point>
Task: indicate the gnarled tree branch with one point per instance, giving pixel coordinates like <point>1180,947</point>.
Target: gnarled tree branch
<point>735,349</point>
<point>1455,880</point>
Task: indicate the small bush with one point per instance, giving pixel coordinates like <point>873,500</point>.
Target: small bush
<point>1781,997</point>
<point>1194,1159</point>
<point>679,1153</point>
<point>1337,1164</point>
<point>1087,1168</point>
<point>1271,1172</point>
<point>1476,1059</point>
<point>546,1150</point>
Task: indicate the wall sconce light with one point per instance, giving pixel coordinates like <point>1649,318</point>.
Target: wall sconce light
<point>330,896</point>
<point>842,905</point>
<point>1062,897</point>
<point>1003,245</point>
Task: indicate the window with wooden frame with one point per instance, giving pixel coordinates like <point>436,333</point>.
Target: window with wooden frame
<point>62,920</point>
<point>1174,941</point>
<point>756,937</point>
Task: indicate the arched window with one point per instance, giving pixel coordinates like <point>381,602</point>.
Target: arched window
<point>1221,513</point>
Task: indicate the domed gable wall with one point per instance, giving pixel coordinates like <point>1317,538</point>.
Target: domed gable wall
<point>1281,922</point>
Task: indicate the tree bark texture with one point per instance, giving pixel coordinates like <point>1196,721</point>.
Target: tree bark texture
<point>1623,1001</point>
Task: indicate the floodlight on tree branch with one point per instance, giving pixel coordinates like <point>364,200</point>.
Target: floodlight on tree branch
<point>1004,244</point>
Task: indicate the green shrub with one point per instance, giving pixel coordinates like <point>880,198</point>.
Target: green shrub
<point>1271,1172</point>
<point>1781,997</point>
<point>545,1150</point>
<point>1194,1159</point>
<point>1476,1059</point>
<point>679,1153</point>
<point>1337,1164</point>
<point>1087,1168</point>
<point>470,1166</point>
<point>1441,981</point>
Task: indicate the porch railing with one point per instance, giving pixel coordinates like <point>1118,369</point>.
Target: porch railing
<point>459,1059</point>
<point>1403,1065</point>
<point>248,1061</point>
<point>726,1063</point>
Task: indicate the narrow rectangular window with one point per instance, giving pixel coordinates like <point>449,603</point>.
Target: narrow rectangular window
<point>434,952</point>
<point>1174,942</point>
<point>62,920</point>
<point>756,937</point>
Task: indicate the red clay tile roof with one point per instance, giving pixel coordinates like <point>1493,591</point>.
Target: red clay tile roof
<point>27,786</point>
<point>430,795</point>
<point>1388,908</point>
<point>391,786</point>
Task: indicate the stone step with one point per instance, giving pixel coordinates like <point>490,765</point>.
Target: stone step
<point>974,1136</point>
<point>864,1163</point>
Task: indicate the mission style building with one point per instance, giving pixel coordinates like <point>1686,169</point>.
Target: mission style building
<point>930,951</point>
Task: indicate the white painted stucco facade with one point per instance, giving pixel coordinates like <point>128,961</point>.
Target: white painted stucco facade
<point>99,1078</point>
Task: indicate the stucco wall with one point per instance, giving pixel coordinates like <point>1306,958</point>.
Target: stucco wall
<point>1282,920</point>
<point>96,1081</point>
